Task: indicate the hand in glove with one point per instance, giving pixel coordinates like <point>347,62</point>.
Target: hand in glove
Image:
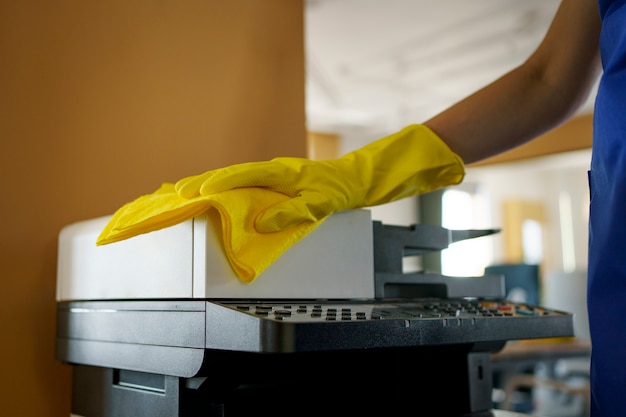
<point>407,163</point>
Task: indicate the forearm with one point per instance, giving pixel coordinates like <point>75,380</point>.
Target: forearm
<point>490,121</point>
<point>533,98</point>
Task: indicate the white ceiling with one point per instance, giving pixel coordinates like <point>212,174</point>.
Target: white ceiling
<point>374,66</point>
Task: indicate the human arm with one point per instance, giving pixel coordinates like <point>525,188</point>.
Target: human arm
<point>409,162</point>
<point>536,96</point>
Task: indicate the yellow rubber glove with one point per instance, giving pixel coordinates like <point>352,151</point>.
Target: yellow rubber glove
<point>407,163</point>
<point>233,212</point>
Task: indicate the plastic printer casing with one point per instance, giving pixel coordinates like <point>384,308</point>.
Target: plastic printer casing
<point>159,325</point>
<point>187,260</point>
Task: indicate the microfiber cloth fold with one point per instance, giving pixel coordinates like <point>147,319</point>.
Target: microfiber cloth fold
<point>248,251</point>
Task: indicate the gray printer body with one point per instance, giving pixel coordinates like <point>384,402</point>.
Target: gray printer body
<point>335,317</point>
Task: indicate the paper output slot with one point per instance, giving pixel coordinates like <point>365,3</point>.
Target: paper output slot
<point>393,290</point>
<point>141,381</point>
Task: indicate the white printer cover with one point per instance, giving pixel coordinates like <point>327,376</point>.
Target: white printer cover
<point>335,261</point>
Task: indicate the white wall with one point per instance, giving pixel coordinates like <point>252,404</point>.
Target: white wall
<point>543,180</point>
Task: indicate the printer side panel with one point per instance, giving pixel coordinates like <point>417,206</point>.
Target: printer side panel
<point>334,261</point>
<point>152,265</point>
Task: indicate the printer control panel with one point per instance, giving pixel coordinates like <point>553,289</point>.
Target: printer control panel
<point>420,309</point>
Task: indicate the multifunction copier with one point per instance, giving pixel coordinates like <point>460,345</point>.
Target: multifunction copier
<point>159,325</point>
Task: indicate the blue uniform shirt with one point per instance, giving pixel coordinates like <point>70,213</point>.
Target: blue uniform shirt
<point>606,293</point>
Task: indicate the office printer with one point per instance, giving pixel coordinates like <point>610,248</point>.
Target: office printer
<point>159,325</point>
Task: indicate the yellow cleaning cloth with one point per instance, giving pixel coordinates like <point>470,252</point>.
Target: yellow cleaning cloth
<point>248,251</point>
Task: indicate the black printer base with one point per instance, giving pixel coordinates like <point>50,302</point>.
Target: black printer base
<point>435,382</point>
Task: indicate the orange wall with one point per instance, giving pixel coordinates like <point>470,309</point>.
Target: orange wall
<point>100,102</point>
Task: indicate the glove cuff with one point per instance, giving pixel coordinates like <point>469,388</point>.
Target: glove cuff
<point>409,162</point>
